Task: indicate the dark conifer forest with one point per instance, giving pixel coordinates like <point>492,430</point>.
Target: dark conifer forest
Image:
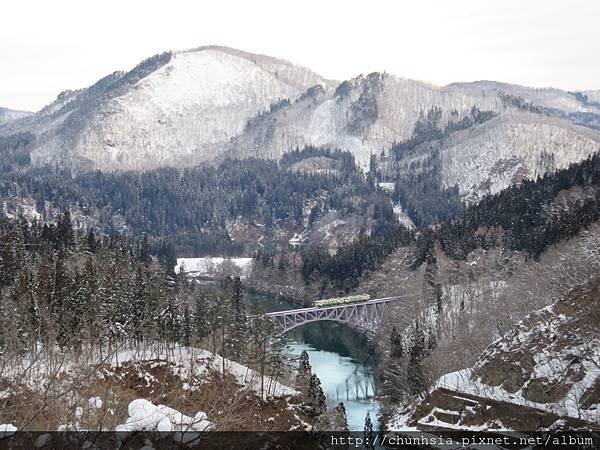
<point>526,218</point>
<point>63,287</point>
<point>192,206</point>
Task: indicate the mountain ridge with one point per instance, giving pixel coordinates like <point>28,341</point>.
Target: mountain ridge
<point>8,115</point>
<point>204,104</point>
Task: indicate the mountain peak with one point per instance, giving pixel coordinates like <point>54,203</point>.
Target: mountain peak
<point>191,106</point>
<point>281,67</point>
<point>174,108</point>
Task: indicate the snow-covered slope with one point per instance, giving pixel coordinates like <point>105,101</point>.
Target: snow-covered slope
<point>551,98</point>
<point>10,115</point>
<point>174,109</point>
<point>365,115</point>
<point>593,96</point>
<point>543,374</point>
<point>190,107</point>
<point>488,157</point>
<point>368,115</point>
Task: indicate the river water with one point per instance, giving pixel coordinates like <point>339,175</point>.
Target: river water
<point>339,356</point>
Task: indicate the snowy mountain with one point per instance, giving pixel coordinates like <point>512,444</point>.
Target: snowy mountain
<point>177,108</point>
<point>593,96</point>
<point>489,157</point>
<point>365,115</point>
<point>545,97</point>
<point>535,130</point>
<point>189,107</point>
<point>9,115</point>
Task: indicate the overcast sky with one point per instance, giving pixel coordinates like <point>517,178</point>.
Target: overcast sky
<point>50,46</point>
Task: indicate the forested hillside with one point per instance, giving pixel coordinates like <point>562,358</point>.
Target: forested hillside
<point>529,218</point>
<point>61,286</point>
<point>466,283</point>
<point>193,207</point>
<point>85,318</point>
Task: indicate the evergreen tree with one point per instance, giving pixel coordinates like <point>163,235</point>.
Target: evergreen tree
<point>397,350</point>
<point>89,292</point>
<point>431,340</point>
<point>140,303</point>
<point>8,266</point>
<point>201,309</point>
<point>432,289</point>
<point>415,371</point>
<point>64,232</point>
<point>92,244</point>
<point>145,256</point>
<point>340,419</point>
<point>187,325</point>
<point>304,372</point>
<point>315,397</point>
<point>310,385</point>
<point>281,263</point>
<point>59,294</point>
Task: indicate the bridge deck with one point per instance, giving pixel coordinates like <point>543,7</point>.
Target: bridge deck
<point>365,316</point>
<point>343,305</point>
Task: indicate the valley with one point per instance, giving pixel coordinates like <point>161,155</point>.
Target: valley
<point>151,221</point>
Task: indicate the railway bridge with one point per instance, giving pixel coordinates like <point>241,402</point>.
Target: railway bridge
<point>365,317</point>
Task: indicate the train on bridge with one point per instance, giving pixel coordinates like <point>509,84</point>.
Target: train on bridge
<point>341,300</point>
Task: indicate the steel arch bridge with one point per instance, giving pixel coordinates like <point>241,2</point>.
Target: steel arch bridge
<point>365,317</point>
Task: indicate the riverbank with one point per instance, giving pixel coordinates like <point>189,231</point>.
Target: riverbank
<point>344,360</point>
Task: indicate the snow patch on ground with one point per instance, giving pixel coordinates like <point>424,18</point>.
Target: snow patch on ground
<point>145,416</point>
<point>210,266</point>
<point>95,403</point>
<point>462,381</point>
<point>7,429</point>
<point>195,361</point>
<point>403,217</point>
<point>389,187</point>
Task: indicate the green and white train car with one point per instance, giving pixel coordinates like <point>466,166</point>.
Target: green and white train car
<point>341,300</point>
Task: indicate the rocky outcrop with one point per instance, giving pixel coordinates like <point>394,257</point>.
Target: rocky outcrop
<point>446,409</point>
<point>545,371</point>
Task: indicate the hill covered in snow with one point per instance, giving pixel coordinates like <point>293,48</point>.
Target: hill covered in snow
<point>190,107</point>
<point>9,115</point>
<point>176,108</point>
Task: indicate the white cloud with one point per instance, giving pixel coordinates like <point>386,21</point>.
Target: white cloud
<point>46,47</point>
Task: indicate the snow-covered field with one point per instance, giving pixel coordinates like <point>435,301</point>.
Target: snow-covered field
<point>210,266</point>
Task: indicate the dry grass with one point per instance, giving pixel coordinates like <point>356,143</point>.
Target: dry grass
<point>64,400</point>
